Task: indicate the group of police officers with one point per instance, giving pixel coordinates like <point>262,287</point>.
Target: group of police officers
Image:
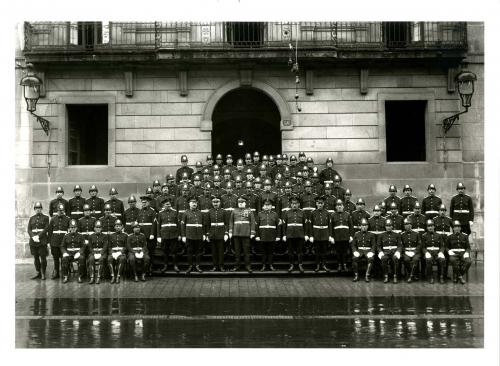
<point>259,200</point>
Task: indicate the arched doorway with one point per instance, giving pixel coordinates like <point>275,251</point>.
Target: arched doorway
<point>248,116</point>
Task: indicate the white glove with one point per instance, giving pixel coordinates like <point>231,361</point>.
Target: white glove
<point>115,254</point>
<point>284,237</point>
<point>183,239</point>
<point>257,238</point>
<point>77,255</point>
<point>139,255</point>
<point>151,237</point>
<point>397,255</point>
<point>427,255</point>
<point>226,237</point>
<point>97,256</point>
<point>306,238</point>
<point>179,238</point>
<point>278,239</point>
<point>331,240</point>
<point>350,239</point>
<point>65,255</point>
<point>230,235</point>
<point>311,239</point>
<point>356,254</point>
<point>380,255</point>
<point>369,254</point>
<point>440,255</point>
<point>204,238</point>
<point>451,252</point>
<point>36,239</point>
<point>471,223</point>
<point>466,255</point>
<point>158,240</point>
<point>252,236</point>
<point>410,254</point>
<point>86,242</point>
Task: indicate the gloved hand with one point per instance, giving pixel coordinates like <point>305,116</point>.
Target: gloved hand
<point>380,255</point>
<point>284,237</point>
<point>65,255</point>
<point>230,235</point>
<point>278,239</point>
<point>311,239</point>
<point>350,239</point>
<point>36,239</point>
<point>441,255</point>
<point>179,238</point>
<point>86,242</point>
<point>183,239</point>
<point>427,255</point>
<point>369,254</point>
<point>226,237</point>
<point>204,238</point>
<point>470,224</point>
<point>451,252</point>
<point>158,240</point>
<point>466,255</point>
<point>252,236</point>
<point>410,254</point>
<point>77,255</point>
<point>306,238</point>
<point>397,255</point>
<point>151,237</point>
<point>331,240</point>
<point>257,238</point>
<point>356,254</point>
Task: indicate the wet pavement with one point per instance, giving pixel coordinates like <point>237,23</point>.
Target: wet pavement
<point>248,312</point>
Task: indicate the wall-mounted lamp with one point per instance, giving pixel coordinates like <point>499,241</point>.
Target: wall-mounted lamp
<point>31,90</point>
<point>465,84</point>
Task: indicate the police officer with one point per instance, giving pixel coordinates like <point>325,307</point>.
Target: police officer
<point>219,160</point>
<point>253,199</point>
<point>108,221</point>
<point>98,248</point>
<point>137,250</point>
<point>207,177</point>
<point>76,203</point>
<point>229,164</point>
<point>327,174</point>
<point>337,190</point>
<point>148,223</point>
<point>86,223</point>
<point>359,214</point>
<point>298,187</point>
<point>330,199</point>
<point>342,233</point>
<point>172,187</point>
<point>209,164</point>
<point>317,187</point>
<point>217,189</point>
<point>58,227</point>
<point>73,249</point>
<point>267,194</point>
<point>389,249</point>
<point>117,242</point>
<point>242,230</point>
<point>462,209</point>
<point>376,223</point>
<point>256,160</point>
<point>239,171</point>
<point>293,165</point>
<point>442,223</point>
<point>348,205</point>
<point>310,165</point>
<point>199,171</point>
<point>412,247</point>
<point>284,200</point>
<point>392,197</point>
<point>182,202</point>
<point>249,176</point>
<point>38,226</point>
<point>131,214</point>
<point>302,160</point>
<point>458,248</point>
<point>156,189</point>
<point>168,232</point>
<point>248,162</point>
<point>294,231</point>
<point>217,232</point>
<point>96,203</point>
<point>268,231</point>
<point>407,203</point>
<point>116,205</point>
<point>397,219</point>
<point>320,230</point>
<point>197,188</point>
<point>417,220</point>
<point>193,233</point>
<point>363,246</point>
<point>54,204</point>
<point>279,167</point>
<point>433,249</point>
<point>238,186</point>
<point>183,169</point>
<point>431,203</point>
<point>205,199</point>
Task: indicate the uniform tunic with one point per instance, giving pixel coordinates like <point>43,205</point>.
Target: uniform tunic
<point>462,209</point>
<point>376,224</point>
<point>76,207</point>
<point>330,201</point>
<point>129,216</point>
<point>86,226</point>
<point>55,203</point>
<point>363,242</point>
<point>320,225</point>
<point>108,224</point>
<point>216,224</point>
<point>268,226</point>
<point>342,226</point>
<point>417,222</point>
<point>96,206</point>
<point>168,226</point>
<point>58,227</point>
<point>38,224</point>
<point>99,244</point>
<point>443,225</point>
<point>357,216</point>
<point>147,221</point>
<point>327,175</point>
<point>192,225</point>
<point>117,208</point>
<point>406,205</point>
<point>430,206</point>
<point>294,224</point>
<point>242,222</point>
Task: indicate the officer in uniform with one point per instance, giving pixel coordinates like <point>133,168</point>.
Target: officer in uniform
<point>238,186</point>
<point>412,247</point>
<point>295,226</point>
<point>327,174</point>
<point>458,248</point>
<point>242,230</point>
<point>306,173</point>
<point>383,209</point>
<point>298,187</point>
<point>217,232</point>
<point>156,189</point>
<point>131,214</point>
<point>342,233</point>
<point>348,205</point>
<point>253,199</point>
<point>317,187</point>
<point>217,190</point>
<point>148,223</point>
<point>73,249</point>
<point>397,219</point>
<point>198,172</point>
<point>54,204</point>
<point>168,232</point>
<point>308,200</point>
<point>86,225</point>
<point>96,203</point>
<point>363,246</point>
<point>207,177</point>
<point>442,223</point>
<point>164,194</point>
<point>219,160</point>
<point>462,209</point>
<point>284,203</point>
<point>98,252</point>
<point>376,223</point>
<point>392,197</point>
<point>330,199</point>
<point>183,169</point>
<point>359,214</point>
<point>302,160</point>
<point>257,189</point>
<point>193,233</point>
<point>248,162</point>
<point>268,231</point>
<point>310,165</point>
<point>279,167</point>
<point>182,202</point>
<point>38,227</point>
<point>137,249</point>
<point>320,230</point>
<point>209,164</point>
<point>58,227</point>
<point>76,204</point>
<point>256,159</point>
<point>267,194</point>
<point>337,190</point>
<point>407,203</point>
<point>227,176</point>
<point>417,220</point>
<point>249,175</point>
<point>108,221</point>
<point>205,200</point>
<point>116,205</point>
<point>433,249</point>
<point>172,187</point>
<point>431,203</point>
<point>117,243</point>
<point>229,164</point>
<point>197,189</point>
<point>389,248</point>
<point>293,165</point>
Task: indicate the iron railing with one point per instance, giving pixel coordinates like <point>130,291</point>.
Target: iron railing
<point>80,36</point>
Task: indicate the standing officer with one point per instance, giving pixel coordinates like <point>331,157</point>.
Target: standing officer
<point>115,204</point>
<point>293,165</point>
<point>137,249</point>
<point>342,233</point>
<point>199,171</point>
<point>392,198</point>
<point>310,165</point>
<point>327,174</point>
<point>294,233</point>
<point>443,223</point>
<point>131,214</point>
<point>117,242</point>
<point>148,223</point>
<point>389,248</point>
<point>238,186</point>
<point>98,252</point>
<point>417,220</point>
<point>73,249</point>
<point>205,199</point>
<point>330,199</point>
<point>284,200</point>
<point>397,219</point>
<point>242,230</point>
<point>279,167</point>
<point>363,246</point>
<point>172,187</point>
<point>348,205</point>
<point>317,187</point>
<point>76,204</point>
<point>156,189</point>
<point>458,248</point>
<point>376,223</point>
<point>193,234</point>
<point>320,230</point>
<point>431,203</point>
<point>197,189</point>
<point>219,160</point>
<point>412,247</point>
<point>302,160</point>
<point>217,233</point>
<point>268,231</point>
<point>227,176</point>
<point>58,227</point>
<point>183,169</point>
<point>210,164</point>
<point>248,162</point>
<point>38,226</point>
<point>267,194</point>
<point>54,204</point>
<point>217,189</point>
<point>229,164</point>
<point>108,221</point>
<point>462,209</point>
<point>207,176</point>
<point>433,249</point>
<point>337,190</point>
<point>253,199</point>
<point>96,203</point>
<point>407,203</point>
<point>182,202</point>
<point>256,161</point>
<point>359,214</point>
<point>168,232</point>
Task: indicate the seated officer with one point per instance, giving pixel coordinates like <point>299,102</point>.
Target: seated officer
<point>76,203</point>
<point>363,246</point>
<point>137,250</point>
<point>407,203</point>
<point>433,247</point>
<point>458,248</point>
<point>117,249</point>
<point>98,252</point>
<point>389,248</point>
<point>73,249</point>
<point>411,248</point>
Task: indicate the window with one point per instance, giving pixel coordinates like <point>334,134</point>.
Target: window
<point>245,34</point>
<point>89,34</point>
<point>405,130</point>
<point>87,134</point>
<point>396,34</point>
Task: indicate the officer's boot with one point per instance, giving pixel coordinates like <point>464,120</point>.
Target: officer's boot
<point>80,280</point>
<point>368,270</point>
<point>198,269</point>
<point>441,273</point>
<point>176,269</point>
<point>395,279</point>
<point>386,278</point>
<point>143,276</point>
<point>136,279</point>
<point>325,268</point>
<point>410,278</point>
<point>301,269</point>
<point>111,270</point>
<point>263,268</point>
<point>65,279</point>
<point>91,273</point>
<point>189,269</point>
<point>37,276</point>
<point>118,275</point>
<point>290,269</point>
<point>355,279</point>
<point>461,279</point>
<point>271,267</point>
<point>318,267</point>
<point>42,275</point>
<point>98,279</point>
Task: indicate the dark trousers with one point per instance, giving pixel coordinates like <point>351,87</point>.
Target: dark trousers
<point>239,243</point>
<point>466,228</point>
<point>40,256</point>
<point>389,264</point>
<point>267,252</point>
<point>194,248</point>
<point>132,261</point>
<point>91,262</point>
<point>295,249</point>
<point>362,257</point>
<point>217,252</point>
<point>320,251</point>
<point>459,264</point>
<point>341,249</point>
<point>70,259</point>
<point>116,265</point>
<point>433,260</point>
<point>411,262</point>
<point>169,246</point>
<point>56,255</point>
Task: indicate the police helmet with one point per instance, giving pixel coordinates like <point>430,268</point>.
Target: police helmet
<point>262,167</point>
<point>227,171</point>
<point>170,176</point>
<point>136,224</point>
<point>239,162</point>
<point>288,185</point>
<point>328,186</point>
<point>93,188</point>
<point>185,175</point>
<point>284,157</point>
<point>460,185</point>
<point>407,188</point>
<point>86,207</point>
<point>393,188</point>
<point>267,182</point>
<point>73,223</point>
<point>256,153</point>
<point>184,159</point>
<point>249,171</point>
<point>265,158</point>
<point>113,191</point>
<point>431,186</point>
<point>184,187</point>
<point>149,190</point>
<point>248,156</point>
<point>98,224</point>
<point>77,188</point>
<point>218,157</point>
<point>442,207</point>
<point>315,175</point>
<point>294,198</point>
<point>156,183</point>
<point>388,222</point>
<point>393,206</point>
<point>307,183</point>
<point>229,156</point>
<point>132,199</point>
<point>407,221</point>
<point>257,180</point>
<point>279,157</point>
<point>429,223</point>
<point>339,202</point>
<point>164,185</point>
<point>207,186</point>
<point>248,184</point>
<point>310,160</point>
<point>302,154</point>
<point>278,176</point>
<point>329,160</point>
<point>59,190</point>
<point>118,222</point>
<point>229,185</point>
<point>209,158</point>
<point>298,174</point>
<point>376,208</point>
<point>360,201</point>
<point>38,204</point>
<point>107,207</point>
<point>293,158</point>
<point>348,192</point>
<point>417,205</point>
<point>217,178</point>
<point>336,178</point>
<point>196,178</point>
<point>238,179</point>
<point>363,221</point>
<point>271,157</point>
<point>456,223</point>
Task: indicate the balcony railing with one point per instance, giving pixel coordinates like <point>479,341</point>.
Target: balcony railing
<point>95,36</point>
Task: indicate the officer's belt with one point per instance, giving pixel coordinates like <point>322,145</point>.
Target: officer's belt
<point>364,248</point>
<point>229,209</point>
<point>242,222</point>
<point>397,231</point>
<point>432,248</point>
<point>97,250</point>
<point>444,232</point>
<point>294,224</point>
<point>36,230</point>
<point>320,226</point>
<point>328,181</point>
<point>87,232</point>
<point>376,232</point>
<point>77,213</point>
<point>390,247</point>
<point>169,224</point>
<point>356,227</point>
<point>116,214</point>
<point>107,232</point>
<point>145,223</point>
<point>204,211</point>
<point>137,249</point>
<point>410,249</point>
<point>267,227</point>
<point>128,223</point>
<point>331,211</point>
<point>72,249</point>
<point>181,211</point>
<point>407,212</point>
<point>418,229</point>
<point>461,211</point>
<point>97,212</point>
<point>309,209</point>
<point>252,209</point>
<point>59,232</point>
<point>285,209</point>
<point>117,249</point>
<point>217,224</point>
<point>458,250</point>
<point>341,227</point>
<point>431,212</point>
<point>194,225</point>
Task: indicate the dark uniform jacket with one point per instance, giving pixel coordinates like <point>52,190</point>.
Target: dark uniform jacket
<point>376,225</point>
<point>204,204</point>
<point>129,216</point>
<point>349,206</point>
<point>216,224</point>
<point>99,244</point>
<point>108,224</point>
<point>342,226</point>
<point>117,208</point>
<point>284,204</point>
<point>443,225</point>
<point>294,224</point>
<point>242,222</point>
<point>182,204</point>
<point>217,191</point>
<point>38,225</point>
<point>459,243</point>
<point>86,226</point>
<point>136,241</point>
<point>330,203</point>
<point>364,241</point>
<point>147,221</point>
<point>168,224</point>
<point>462,209</point>
<point>58,227</point>
<point>411,241</point>
<point>308,203</point>
<point>397,222</point>
<point>96,206</point>
<point>389,242</point>
<point>406,205</point>
<point>388,200</point>
<point>432,242</point>
<point>339,193</point>
<point>76,207</point>
<point>417,222</point>
<point>53,206</point>
<point>118,240</point>
<point>229,202</point>
<point>430,206</point>
<point>269,196</point>
<point>181,170</point>
<point>73,243</point>
<point>327,175</point>
<point>320,225</point>
<point>253,201</point>
<point>356,218</point>
<point>268,226</point>
<point>192,225</point>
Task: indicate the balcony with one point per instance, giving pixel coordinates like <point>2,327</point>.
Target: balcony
<point>151,41</point>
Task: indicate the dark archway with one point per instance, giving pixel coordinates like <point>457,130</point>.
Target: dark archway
<point>248,115</point>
